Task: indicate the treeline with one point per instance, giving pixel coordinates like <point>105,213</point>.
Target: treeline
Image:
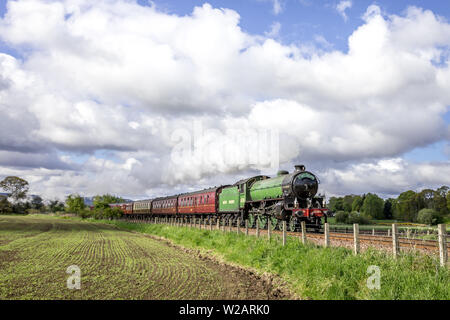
<point>100,210</point>
<point>17,201</point>
<point>427,206</point>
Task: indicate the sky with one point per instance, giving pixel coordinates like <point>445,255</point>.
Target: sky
<point>151,98</point>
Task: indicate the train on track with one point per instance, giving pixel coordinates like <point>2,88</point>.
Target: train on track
<point>290,197</point>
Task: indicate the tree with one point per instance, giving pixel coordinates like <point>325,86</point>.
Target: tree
<point>425,199</point>
<point>406,206</point>
<point>429,216</point>
<point>16,186</point>
<point>357,203</point>
<point>373,206</point>
<point>55,206</point>
<point>5,206</point>
<point>388,208</point>
<point>347,202</point>
<point>102,202</point>
<point>335,204</point>
<point>102,208</point>
<point>37,203</point>
<point>440,201</point>
<point>448,201</point>
<point>75,204</point>
<point>341,217</point>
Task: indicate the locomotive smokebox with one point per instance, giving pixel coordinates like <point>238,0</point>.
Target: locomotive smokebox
<point>305,185</point>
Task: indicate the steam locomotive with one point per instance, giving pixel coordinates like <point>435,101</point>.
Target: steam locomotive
<point>289,197</point>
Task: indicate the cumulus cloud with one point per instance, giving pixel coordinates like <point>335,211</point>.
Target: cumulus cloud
<point>114,75</point>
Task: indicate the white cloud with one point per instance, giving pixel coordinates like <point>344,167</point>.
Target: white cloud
<point>277,7</point>
<point>113,75</point>
<point>274,30</point>
<point>342,6</point>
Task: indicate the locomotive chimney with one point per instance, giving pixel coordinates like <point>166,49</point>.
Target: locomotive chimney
<point>299,167</point>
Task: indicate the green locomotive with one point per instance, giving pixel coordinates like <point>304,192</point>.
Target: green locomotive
<point>289,196</point>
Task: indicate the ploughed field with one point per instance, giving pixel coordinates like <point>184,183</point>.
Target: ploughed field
<point>35,253</point>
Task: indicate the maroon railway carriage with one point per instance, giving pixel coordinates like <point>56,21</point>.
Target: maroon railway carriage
<point>166,205</point>
<point>127,207</point>
<point>199,202</point>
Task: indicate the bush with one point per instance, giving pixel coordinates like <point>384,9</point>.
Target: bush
<point>350,218</point>
<point>107,213</point>
<point>356,217</point>
<point>85,213</point>
<point>341,217</point>
<point>429,216</point>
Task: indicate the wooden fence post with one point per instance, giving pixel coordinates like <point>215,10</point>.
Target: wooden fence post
<point>395,245</point>
<point>218,223</point>
<point>303,224</point>
<point>327,235</point>
<point>389,232</point>
<point>268,228</point>
<point>284,233</point>
<point>230,224</point>
<point>356,237</point>
<point>442,233</point>
<point>246,227</point>
<point>210,224</point>
<point>257,228</point>
<point>238,225</point>
<point>373,231</point>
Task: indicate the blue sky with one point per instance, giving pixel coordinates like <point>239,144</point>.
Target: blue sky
<point>302,20</point>
<point>98,96</point>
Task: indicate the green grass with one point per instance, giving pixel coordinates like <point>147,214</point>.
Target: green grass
<point>315,272</point>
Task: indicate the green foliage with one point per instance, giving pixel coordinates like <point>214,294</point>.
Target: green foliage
<point>388,208</point>
<point>373,207</point>
<point>347,202</point>
<point>406,206</point>
<point>440,201</point>
<point>37,203</point>
<point>55,206</point>
<point>356,217</point>
<point>350,218</point>
<point>102,202</point>
<point>429,216</point>
<point>17,187</point>
<point>357,203</point>
<point>335,204</point>
<point>75,204</point>
<point>341,217</point>
<point>5,206</point>
<point>21,207</point>
<point>102,210</point>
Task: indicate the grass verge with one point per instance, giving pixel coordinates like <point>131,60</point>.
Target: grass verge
<point>314,272</point>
